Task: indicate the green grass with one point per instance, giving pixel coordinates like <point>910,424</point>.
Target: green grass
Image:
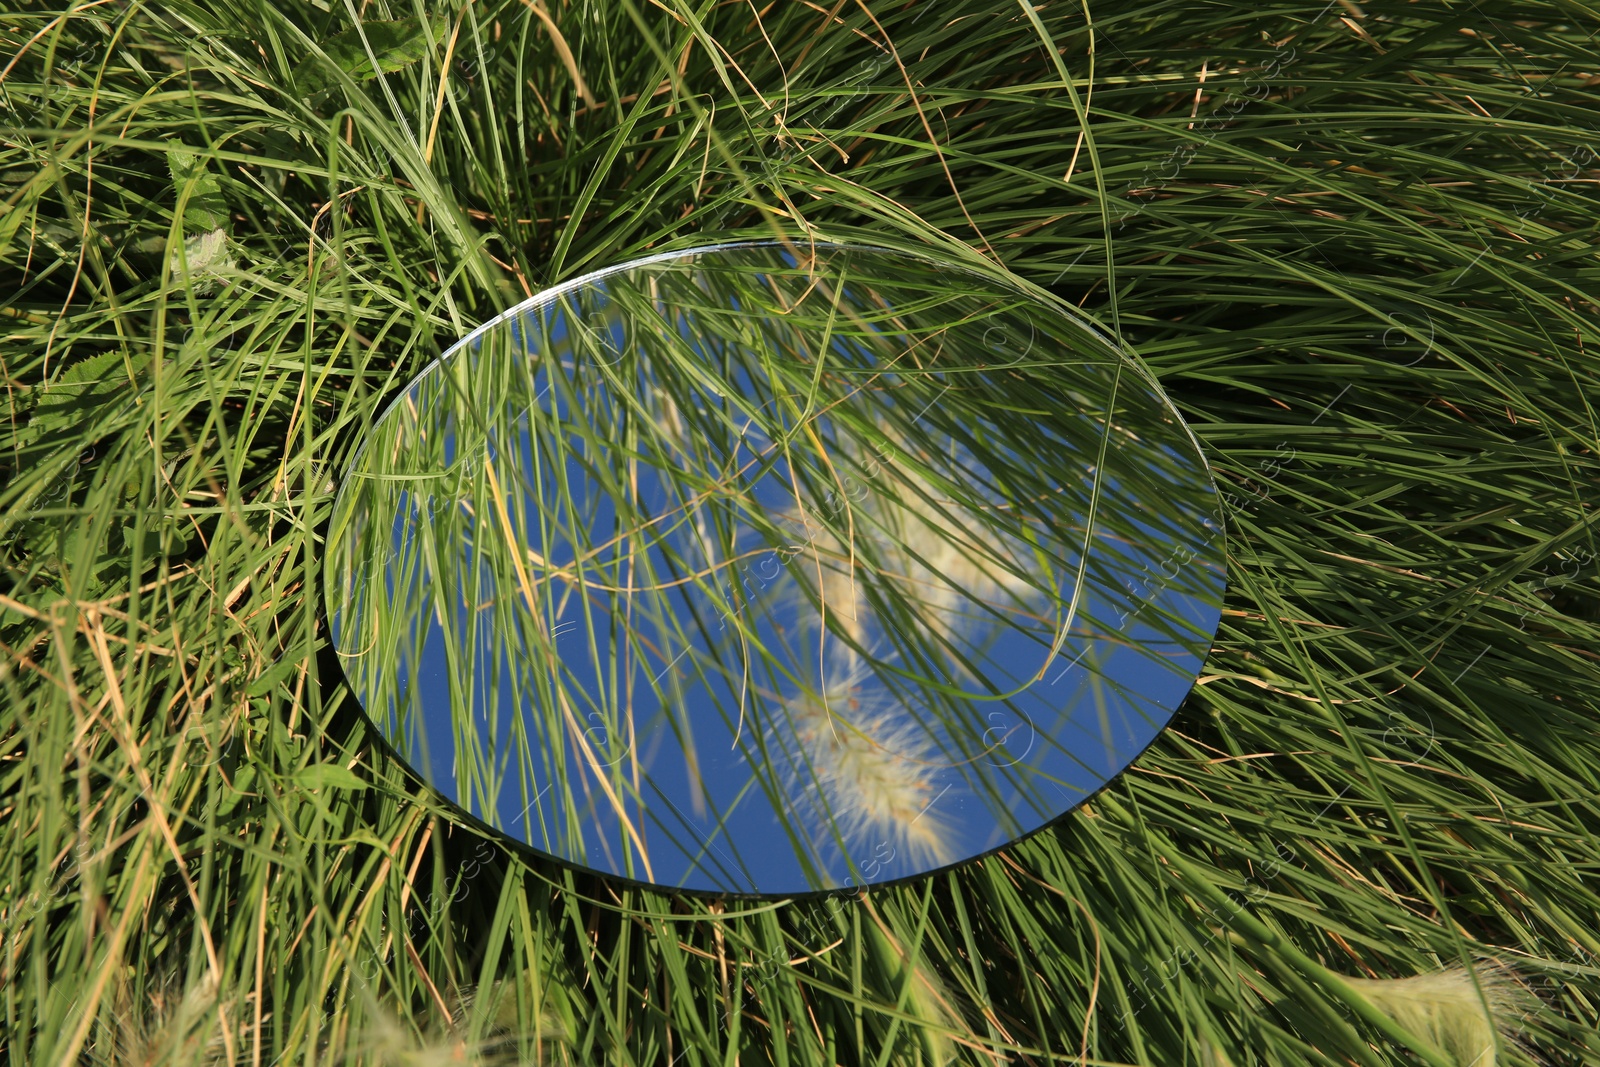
<point>1365,283</point>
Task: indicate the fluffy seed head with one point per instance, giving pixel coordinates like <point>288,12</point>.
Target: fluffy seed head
<point>873,762</point>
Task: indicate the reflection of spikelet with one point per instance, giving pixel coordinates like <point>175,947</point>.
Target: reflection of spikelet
<point>822,568</point>
<point>873,762</point>
<point>942,558</point>
<point>953,570</point>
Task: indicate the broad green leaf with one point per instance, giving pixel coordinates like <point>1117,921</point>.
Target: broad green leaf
<point>203,257</point>
<point>394,44</point>
<point>81,389</point>
<point>205,209</point>
<point>273,675</point>
<point>13,215</point>
<point>328,775</point>
<point>242,786</point>
<point>168,534</point>
<point>94,369</point>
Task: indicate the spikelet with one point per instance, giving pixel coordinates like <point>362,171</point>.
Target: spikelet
<point>874,763</point>
<point>385,1039</point>
<point>176,1028</point>
<point>926,998</point>
<point>1444,1009</point>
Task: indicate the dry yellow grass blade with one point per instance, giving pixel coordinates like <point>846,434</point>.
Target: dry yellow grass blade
<point>563,50</point>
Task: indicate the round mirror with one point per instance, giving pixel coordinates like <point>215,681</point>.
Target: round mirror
<point>773,568</point>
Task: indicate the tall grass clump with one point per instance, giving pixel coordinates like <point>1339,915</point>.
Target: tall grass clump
<point>1355,243</point>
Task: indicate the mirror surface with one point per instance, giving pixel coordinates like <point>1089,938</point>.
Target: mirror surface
<point>767,569</point>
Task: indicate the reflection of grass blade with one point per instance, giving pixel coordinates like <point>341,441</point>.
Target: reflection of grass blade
<point>614,483</point>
